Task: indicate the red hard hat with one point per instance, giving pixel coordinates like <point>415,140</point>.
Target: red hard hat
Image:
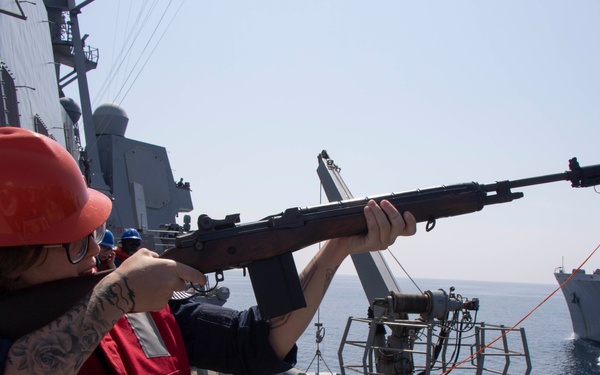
<point>44,198</point>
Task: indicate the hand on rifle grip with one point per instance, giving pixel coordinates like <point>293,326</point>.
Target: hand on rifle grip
<point>384,224</point>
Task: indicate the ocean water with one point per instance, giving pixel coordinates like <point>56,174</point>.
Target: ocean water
<point>553,350</point>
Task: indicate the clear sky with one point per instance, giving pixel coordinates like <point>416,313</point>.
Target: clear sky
<point>403,95</point>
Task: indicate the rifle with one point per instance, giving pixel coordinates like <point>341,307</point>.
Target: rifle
<point>265,247</point>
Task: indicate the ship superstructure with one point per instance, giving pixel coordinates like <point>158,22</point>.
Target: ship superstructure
<point>41,52</point>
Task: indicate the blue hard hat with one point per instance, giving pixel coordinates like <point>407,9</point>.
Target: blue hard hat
<point>130,234</point>
<point>108,240</point>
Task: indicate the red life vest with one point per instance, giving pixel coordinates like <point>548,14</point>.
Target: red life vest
<point>120,254</point>
<point>141,343</point>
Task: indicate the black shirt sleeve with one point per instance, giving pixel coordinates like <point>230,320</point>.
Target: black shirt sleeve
<point>221,339</point>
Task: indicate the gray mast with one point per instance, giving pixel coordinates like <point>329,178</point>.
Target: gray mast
<point>374,273</point>
<point>94,175</point>
<point>376,278</point>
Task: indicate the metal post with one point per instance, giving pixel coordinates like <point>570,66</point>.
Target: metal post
<point>96,181</point>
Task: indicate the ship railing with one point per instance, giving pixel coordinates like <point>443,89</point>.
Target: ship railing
<point>415,355</point>
<point>90,53</point>
<point>62,35</point>
<point>497,350</point>
<point>163,238</point>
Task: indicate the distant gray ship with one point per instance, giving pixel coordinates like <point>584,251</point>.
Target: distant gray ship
<point>581,294</point>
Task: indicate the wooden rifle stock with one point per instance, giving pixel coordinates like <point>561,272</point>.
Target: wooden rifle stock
<point>225,244</point>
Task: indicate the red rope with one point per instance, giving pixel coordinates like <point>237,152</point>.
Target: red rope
<point>526,316</point>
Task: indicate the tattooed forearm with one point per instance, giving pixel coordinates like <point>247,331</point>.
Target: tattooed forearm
<point>62,346</point>
<point>305,277</point>
<point>307,274</point>
<point>120,296</point>
<point>329,277</point>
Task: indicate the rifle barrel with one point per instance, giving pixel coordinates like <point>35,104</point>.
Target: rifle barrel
<point>579,177</point>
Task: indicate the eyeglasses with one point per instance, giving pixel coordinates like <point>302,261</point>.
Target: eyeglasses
<point>76,250</point>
